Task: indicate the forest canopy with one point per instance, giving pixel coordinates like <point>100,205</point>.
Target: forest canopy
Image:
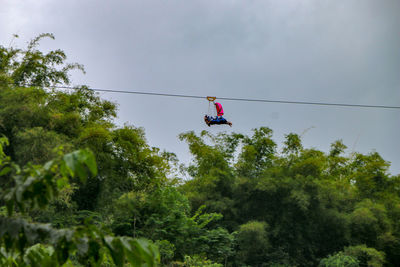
<point>78,190</point>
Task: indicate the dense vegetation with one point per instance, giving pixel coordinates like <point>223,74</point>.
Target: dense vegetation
<point>246,203</point>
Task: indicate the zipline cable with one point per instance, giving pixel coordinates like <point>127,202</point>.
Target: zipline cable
<point>227,98</point>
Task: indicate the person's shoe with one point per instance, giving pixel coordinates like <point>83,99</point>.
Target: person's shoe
<point>206,120</point>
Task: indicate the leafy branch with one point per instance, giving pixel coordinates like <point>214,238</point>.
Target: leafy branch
<point>35,187</point>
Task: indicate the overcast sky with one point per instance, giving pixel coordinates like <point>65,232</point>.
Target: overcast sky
<point>345,51</point>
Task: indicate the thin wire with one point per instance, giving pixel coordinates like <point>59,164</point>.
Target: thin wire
<point>230,98</point>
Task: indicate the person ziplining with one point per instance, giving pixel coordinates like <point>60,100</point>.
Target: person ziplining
<point>218,119</point>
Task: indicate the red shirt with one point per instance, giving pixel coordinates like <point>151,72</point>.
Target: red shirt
<point>220,110</point>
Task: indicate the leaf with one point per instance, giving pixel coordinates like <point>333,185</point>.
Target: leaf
<point>76,161</point>
<point>116,250</point>
<point>10,206</point>
<point>61,183</point>
<point>69,163</point>
<point>48,165</point>
<point>5,170</point>
<point>140,252</point>
<point>90,161</point>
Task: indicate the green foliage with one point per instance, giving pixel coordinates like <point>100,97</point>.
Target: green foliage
<point>86,242</point>
<point>32,67</point>
<point>196,261</point>
<point>35,187</point>
<point>214,177</point>
<point>253,243</point>
<point>339,260</point>
<point>314,203</point>
<point>292,144</point>
<point>167,251</point>
<point>366,256</point>
<point>368,222</point>
<point>37,144</point>
<point>257,153</point>
<point>40,255</point>
<point>164,215</point>
<point>337,162</point>
<point>38,121</point>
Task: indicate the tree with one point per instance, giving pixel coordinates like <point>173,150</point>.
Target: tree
<point>34,68</point>
<point>366,256</point>
<point>164,215</point>
<point>314,203</point>
<point>35,187</point>
<point>257,153</point>
<point>253,243</point>
<point>38,119</point>
<point>213,181</point>
<point>339,259</point>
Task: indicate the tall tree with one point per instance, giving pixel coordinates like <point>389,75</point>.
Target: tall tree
<point>38,120</point>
